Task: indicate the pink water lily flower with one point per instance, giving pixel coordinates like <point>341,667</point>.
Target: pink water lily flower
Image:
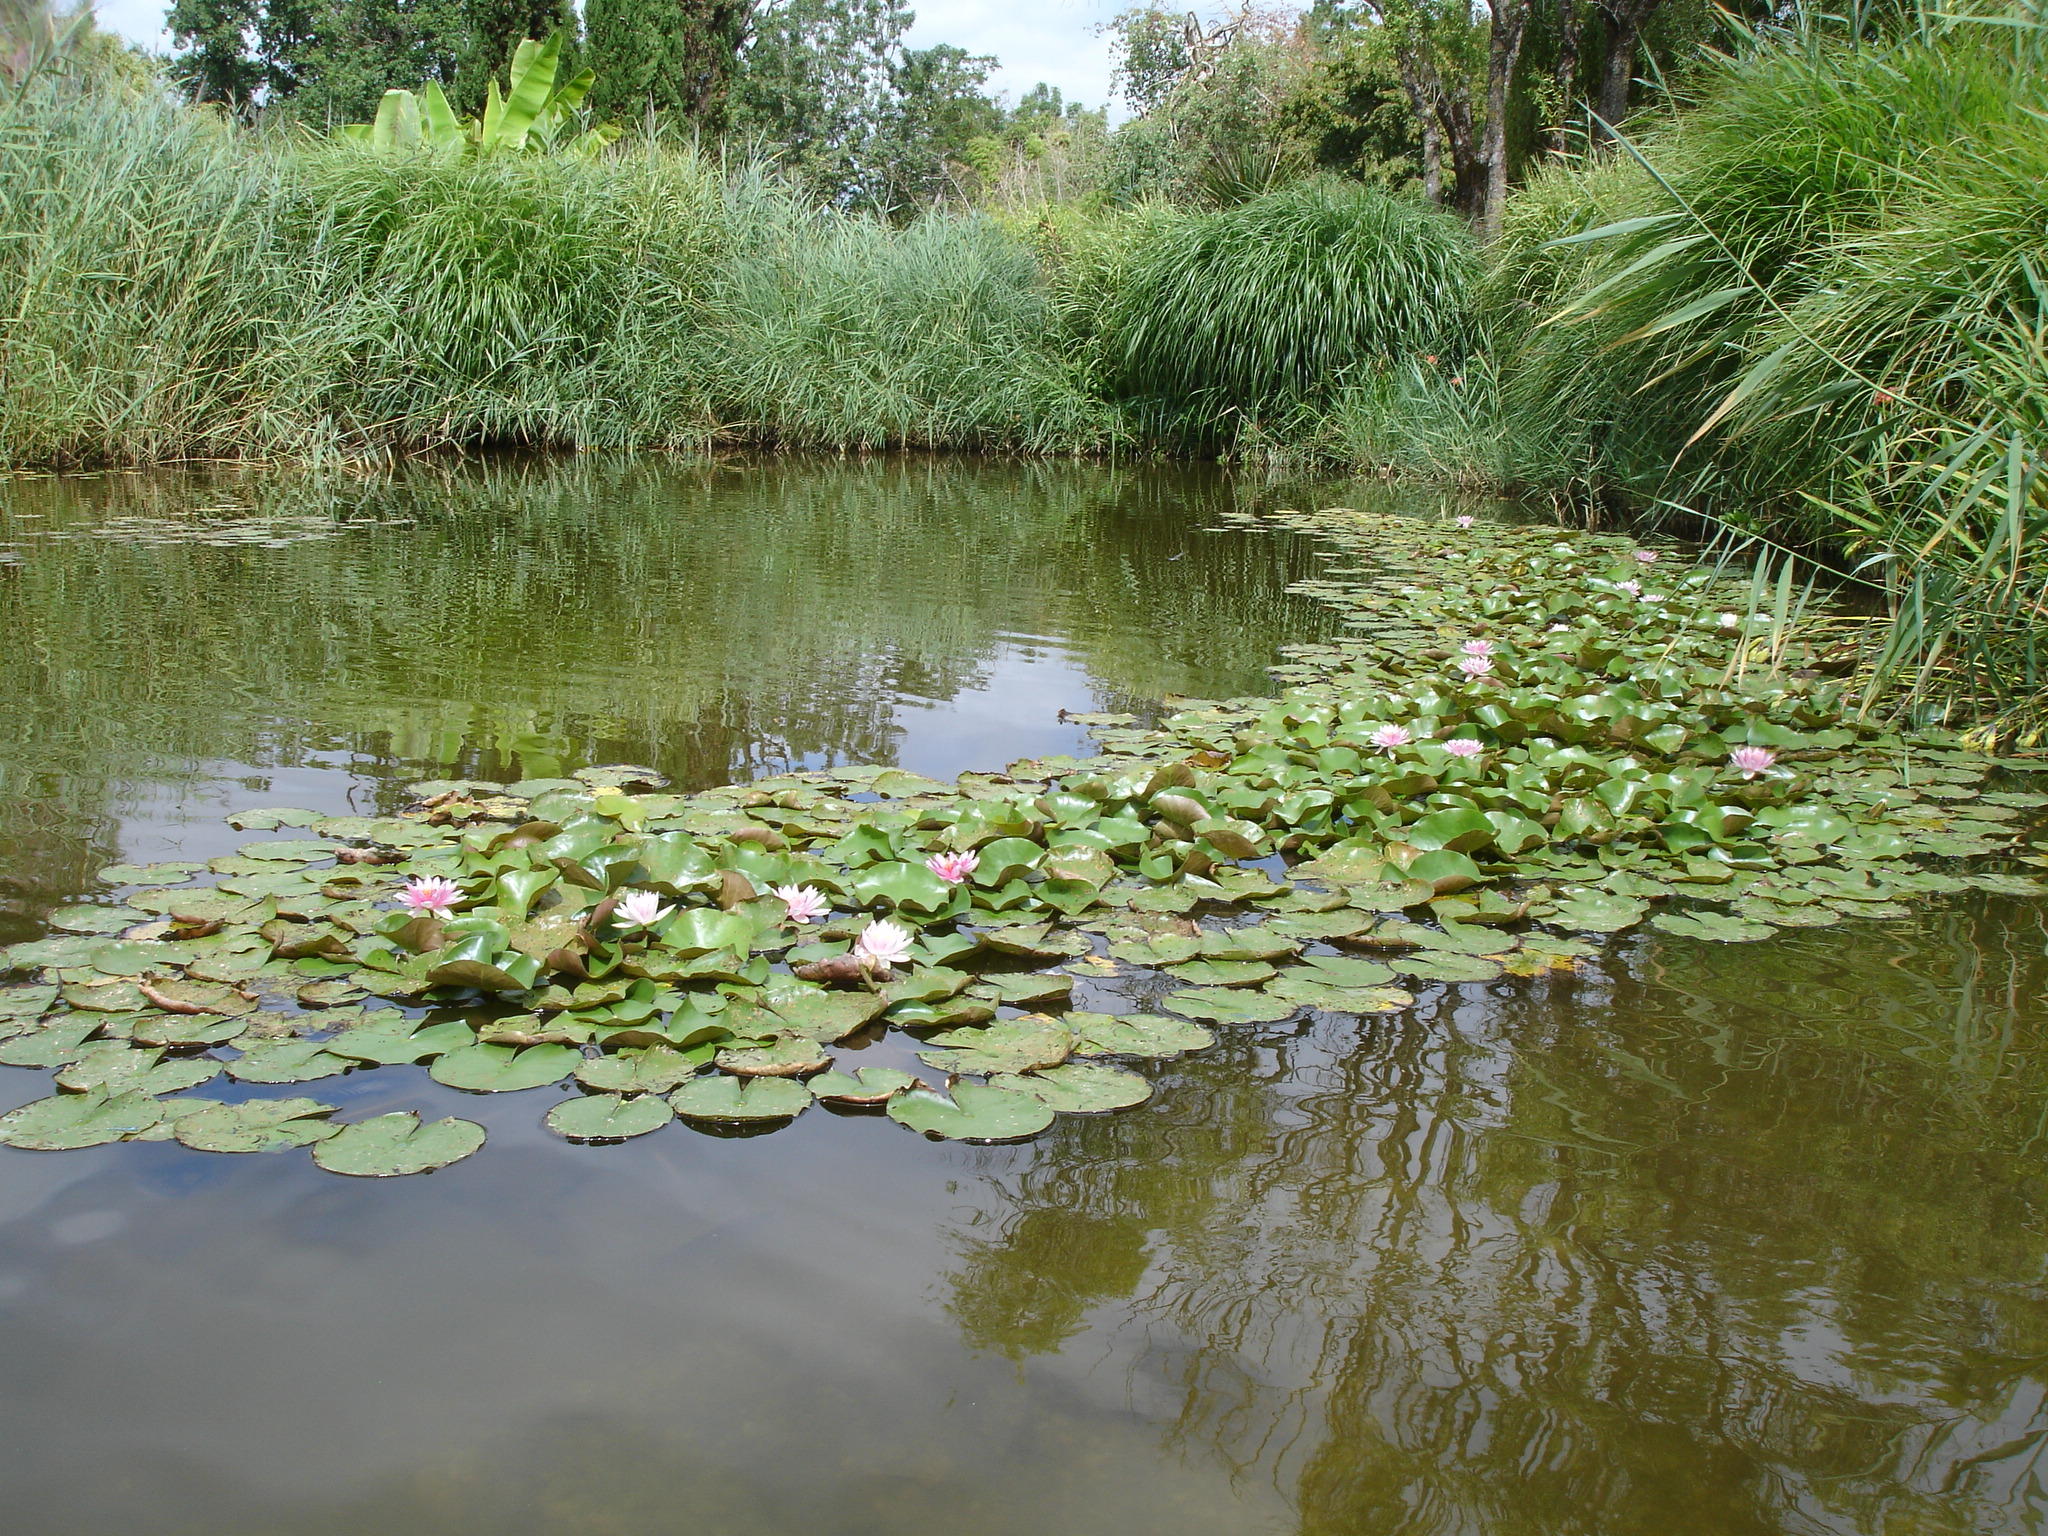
<point>882,944</point>
<point>1391,736</point>
<point>1632,588</point>
<point>640,909</point>
<point>1475,666</point>
<point>1464,746</point>
<point>1477,647</point>
<point>1647,556</point>
<point>804,903</point>
<point>1653,597</point>
<point>1751,761</point>
<point>431,893</point>
<point>1465,522</point>
<point>953,868</point>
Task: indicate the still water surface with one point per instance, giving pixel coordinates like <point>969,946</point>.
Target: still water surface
<point>1741,1239</point>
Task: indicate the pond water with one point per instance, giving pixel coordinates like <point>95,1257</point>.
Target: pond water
<point>1714,1239</point>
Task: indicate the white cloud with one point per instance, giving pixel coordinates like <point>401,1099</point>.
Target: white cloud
<point>140,21</point>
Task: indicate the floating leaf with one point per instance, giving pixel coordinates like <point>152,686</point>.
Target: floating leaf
<point>67,950</point>
<point>118,1069</point>
<point>51,1046</point>
<point>1027,991</point>
<point>141,957</point>
<point>651,1069</point>
<point>1305,989</point>
<point>287,1061</point>
<point>786,1056</point>
<point>1160,950</point>
<point>1015,1046</point>
<point>1223,973</point>
<point>1222,1006</point>
<point>504,1068</point>
<point>101,920</point>
<point>390,1040</point>
<point>109,997</point>
<point>257,1125</point>
<point>1446,965</point>
<point>1257,942</point>
<point>826,1015</point>
<point>1081,1088</point>
<point>1711,925</point>
<point>390,1146</point>
<point>975,1112</point>
<point>1343,971</point>
<point>1598,912</point>
<point>73,1120</point>
<point>607,1117</point>
<point>199,997</point>
<point>717,1096</point>
<point>868,1085</point>
<point>1141,1034</point>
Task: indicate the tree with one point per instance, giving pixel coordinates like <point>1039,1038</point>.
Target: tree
<point>218,59</point>
<point>494,28</point>
<point>356,50</point>
<point>941,109</point>
<point>677,56</point>
<point>818,80</point>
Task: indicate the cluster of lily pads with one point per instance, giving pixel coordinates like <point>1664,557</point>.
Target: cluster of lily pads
<point>1531,738</point>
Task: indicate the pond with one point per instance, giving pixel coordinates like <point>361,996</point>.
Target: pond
<point>1712,1238</point>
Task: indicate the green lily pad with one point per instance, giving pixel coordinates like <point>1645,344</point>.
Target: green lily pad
<point>72,1120</point>
<point>2009,885</point>
<point>823,1015</point>
<point>650,1069</point>
<point>286,1061</point>
<point>22,1002</point>
<point>946,1012</point>
<point>717,1096</point>
<point>1598,912</point>
<point>65,950</point>
<point>1141,1034</point>
<point>1017,1045</point>
<point>785,1056</point>
<point>1446,965</point>
<point>1223,973</point>
<point>504,1068</point>
<point>51,1046</point>
<point>1343,971</point>
<point>101,920</point>
<point>1036,941</point>
<point>185,1031</point>
<point>1160,950</point>
<point>112,997</point>
<point>868,1085</point>
<point>328,994</point>
<point>1257,942</point>
<point>257,1125</point>
<point>391,1146</point>
<point>1712,925</point>
<point>1031,990</point>
<point>1080,1088</point>
<point>119,1069</point>
<point>1781,915</point>
<point>207,996</point>
<point>389,1039</point>
<point>975,1112</point>
<point>150,874</point>
<point>289,850</point>
<point>1220,1005</point>
<point>608,1117</point>
<point>141,957</point>
<point>1305,989</point>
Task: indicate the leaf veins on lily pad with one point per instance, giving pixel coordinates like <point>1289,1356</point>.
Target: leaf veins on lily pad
<point>975,1112</point>
<point>78,1120</point>
<point>257,1125</point>
<point>287,1061</point>
<point>1220,1005</point>
<point>1598,912</point>
<point>608,1117</point>
<point>719,1097</point>
<point>867,1085</point>
<point>390,1146</point>
<point>504,1068</point>
<point>1712,925</point>
<point>1141,1034</point>
<point>1081,1088</point>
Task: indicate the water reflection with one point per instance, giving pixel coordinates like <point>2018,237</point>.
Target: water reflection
<point>1715,1240</point>
<point>170,643</point>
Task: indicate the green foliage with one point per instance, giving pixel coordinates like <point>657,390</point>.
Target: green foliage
<point>1288,298</point>
<point>676,56</point>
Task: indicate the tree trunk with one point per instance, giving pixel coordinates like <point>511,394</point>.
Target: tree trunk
<point>1568,22</point>
<point>1504,52</point>
<point>1432,162</point>
<point>1624,31</point>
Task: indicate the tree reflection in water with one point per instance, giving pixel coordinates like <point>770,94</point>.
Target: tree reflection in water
<point>1710,1239</point>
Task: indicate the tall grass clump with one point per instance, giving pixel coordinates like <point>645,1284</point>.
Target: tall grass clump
<point>1251,311</point>
<point>1812,306</point>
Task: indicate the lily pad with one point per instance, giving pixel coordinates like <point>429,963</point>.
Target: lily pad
<point>786,1056</point>
<point>287,1061</point>
<point>1081,1088</point>
<point>390,1040</point>
<point>66,949</point>
<point>504,1068</point>
<point>257,1125</point>
<point>975,1112</point>
<point>1223,973</point>
<point>1141,1034</point>
<point>825,1015</point>
<point>119,1069</point>
<point>140,957</point>
<point>1343,971</point>
<point>1257,942</point>
<point>180,996</point>
<point>1446,965</point>
<point>1220,1005</point>
<point>100,920</point>
<point>1306,989</point>
<point>1598,912</point>
<point>390,1146</point>
<point>717,1096</point>
<point>1036,941</point>
<point>608,1117</point>
<point>1712,925</point>
<point>51,1046</point>
<point>868,1085</point>
<point>1015,1046</point>
<point>109,997</point>
<point>650,1069</point>
<point>72,1120</point>
<point>1027,991</point>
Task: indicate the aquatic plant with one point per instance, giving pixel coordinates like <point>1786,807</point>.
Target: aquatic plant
<point>1385,823</point>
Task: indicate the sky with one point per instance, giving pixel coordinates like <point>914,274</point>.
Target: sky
<point>1050,40</point>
